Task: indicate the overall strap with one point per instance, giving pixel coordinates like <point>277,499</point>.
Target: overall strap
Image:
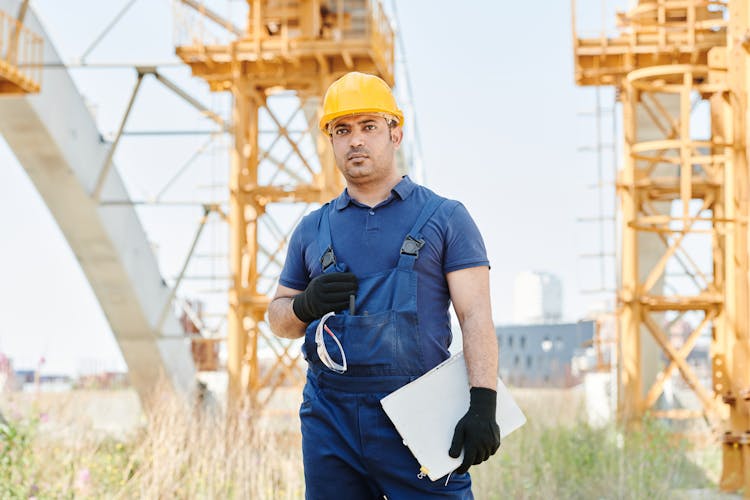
<point>325,245</point>
<point>413,241</point>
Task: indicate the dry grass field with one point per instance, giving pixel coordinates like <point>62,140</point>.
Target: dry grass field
<point>97,444</point>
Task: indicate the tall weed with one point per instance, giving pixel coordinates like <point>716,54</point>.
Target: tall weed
<point>582,462</point>
<point>185,452</point>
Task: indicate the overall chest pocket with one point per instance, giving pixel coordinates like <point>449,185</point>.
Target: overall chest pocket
<point>368,341</point>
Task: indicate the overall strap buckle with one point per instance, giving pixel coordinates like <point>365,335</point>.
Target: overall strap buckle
<point>411,246</point>
<point>328,259</point>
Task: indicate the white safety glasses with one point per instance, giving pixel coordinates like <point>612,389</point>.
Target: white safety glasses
<point>323,352</point>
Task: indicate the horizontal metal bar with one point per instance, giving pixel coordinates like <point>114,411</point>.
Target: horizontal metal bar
<point>594,112</point>
<point>275,131</point>
<point>590,291</point>
<point>162,203</point>
<point>595,255</point>
<point>668,230</point>
<point>596,219</point>
<point>203,278</point>
<point>107,65</point>
<point>138,133</point>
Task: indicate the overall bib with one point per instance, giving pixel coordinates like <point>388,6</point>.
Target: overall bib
<point>350,448</point>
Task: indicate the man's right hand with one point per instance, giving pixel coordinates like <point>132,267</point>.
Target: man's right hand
<point>325,293</point>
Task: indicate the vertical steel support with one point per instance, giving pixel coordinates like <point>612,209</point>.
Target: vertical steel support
<point>629,304</point>
<point>242,245</point>
<point>732,369</point>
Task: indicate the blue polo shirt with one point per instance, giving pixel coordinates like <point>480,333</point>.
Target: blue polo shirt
<point>368,240</point>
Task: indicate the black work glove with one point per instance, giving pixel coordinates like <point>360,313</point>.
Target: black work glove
<point>325,293</point>
<point>477,432</point>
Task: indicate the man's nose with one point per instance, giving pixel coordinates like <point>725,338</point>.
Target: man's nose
<point>357,138</point>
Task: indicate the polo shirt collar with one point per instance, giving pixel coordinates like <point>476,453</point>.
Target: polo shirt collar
<point>403,189</point>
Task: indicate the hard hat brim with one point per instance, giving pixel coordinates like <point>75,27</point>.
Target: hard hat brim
<point>327,119</point>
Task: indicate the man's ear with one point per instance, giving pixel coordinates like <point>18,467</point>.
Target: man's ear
<point>397,135</point>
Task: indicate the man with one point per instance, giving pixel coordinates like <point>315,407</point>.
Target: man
<point>368,281</point>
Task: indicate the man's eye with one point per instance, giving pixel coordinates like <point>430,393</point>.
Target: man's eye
<point>370,127</point>
<point>340,131</point>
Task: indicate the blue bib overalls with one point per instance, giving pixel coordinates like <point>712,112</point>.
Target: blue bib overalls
<point>350,448</point>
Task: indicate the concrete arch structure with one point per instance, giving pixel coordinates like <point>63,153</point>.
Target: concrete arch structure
<point>56,140</point>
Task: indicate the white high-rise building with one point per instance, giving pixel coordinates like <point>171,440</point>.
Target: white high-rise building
<point>537,298</point>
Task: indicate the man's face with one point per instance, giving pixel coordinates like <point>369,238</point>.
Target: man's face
<point>364,147</point>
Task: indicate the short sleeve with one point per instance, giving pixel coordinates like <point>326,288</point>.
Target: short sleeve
<point>464,246</point>
<point>294,274</point>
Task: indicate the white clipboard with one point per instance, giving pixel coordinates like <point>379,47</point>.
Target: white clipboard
<point>425,413</point>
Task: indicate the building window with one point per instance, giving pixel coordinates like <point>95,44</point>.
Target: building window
<point>546,344</point>
<point>523,342</point>
<point>528,361</point>
<point>516,360</point>
<point>510,341</point>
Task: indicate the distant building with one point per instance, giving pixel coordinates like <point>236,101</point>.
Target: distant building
<point>537,298</point>
<point>26,380</point>
<point>540,355</point>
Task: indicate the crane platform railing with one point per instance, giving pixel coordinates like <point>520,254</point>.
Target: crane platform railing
<point>288,30</point>
<point>650,34</point>
<point>21,53</point>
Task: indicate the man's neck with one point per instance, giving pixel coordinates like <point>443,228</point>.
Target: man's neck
<point>372,195</point>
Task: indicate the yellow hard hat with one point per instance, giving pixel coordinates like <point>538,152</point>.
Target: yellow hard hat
<point>356,93</point>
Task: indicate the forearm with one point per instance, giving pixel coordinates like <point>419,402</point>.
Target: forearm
<point>284,323</point>
<point>480,350</point>
<point>470,293</point>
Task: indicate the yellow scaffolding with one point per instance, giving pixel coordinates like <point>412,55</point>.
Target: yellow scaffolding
<point>672,55</point>
<point>287,45</point>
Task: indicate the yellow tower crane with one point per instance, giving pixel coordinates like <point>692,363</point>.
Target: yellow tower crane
<point>287,45</point>
<point>20,55</point>
<point>683,196</point>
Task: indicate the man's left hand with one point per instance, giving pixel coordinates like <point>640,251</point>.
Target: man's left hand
<point>477,432</point>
